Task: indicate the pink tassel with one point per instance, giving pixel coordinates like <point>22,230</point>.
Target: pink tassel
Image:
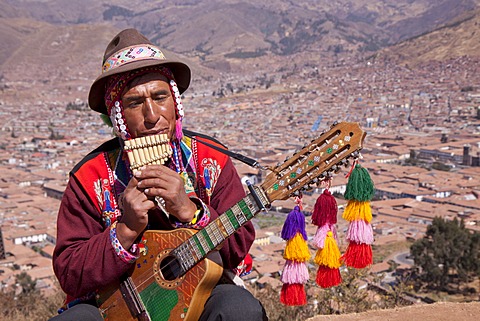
<point>360,232</point>
<point>295,272</point>
<point>320,235</point>
<point>178,129</point>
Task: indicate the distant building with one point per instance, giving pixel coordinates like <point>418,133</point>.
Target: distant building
<point>54,191</point>
<point>32,238</point>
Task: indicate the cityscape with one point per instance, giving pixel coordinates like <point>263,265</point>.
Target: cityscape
<point>429,115</point>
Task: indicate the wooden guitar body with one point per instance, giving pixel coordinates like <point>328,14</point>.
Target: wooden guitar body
<point>163,299</point>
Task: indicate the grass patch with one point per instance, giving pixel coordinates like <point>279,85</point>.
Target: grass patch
<point>382,252</point>
<point>269,220</point>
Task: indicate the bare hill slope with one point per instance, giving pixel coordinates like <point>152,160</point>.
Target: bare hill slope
<point>424,312</point>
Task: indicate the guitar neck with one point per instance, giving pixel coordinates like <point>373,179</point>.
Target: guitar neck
<point>206,240</point>
<point>312,164</point>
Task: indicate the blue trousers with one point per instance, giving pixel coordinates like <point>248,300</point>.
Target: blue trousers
<point>227,302</point>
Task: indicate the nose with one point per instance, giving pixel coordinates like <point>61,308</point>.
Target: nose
<point>151,111</point>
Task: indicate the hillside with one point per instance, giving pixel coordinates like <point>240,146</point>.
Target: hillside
<point>461,37</point>
<point>212,29</point>
<point>432,312</point>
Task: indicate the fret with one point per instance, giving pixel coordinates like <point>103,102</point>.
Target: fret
<point>199,244</point>
<point>194,248</point>
<point>229,228</point>
<point>241,218</point>
<point>231,217</point>
<point>219,234</point>
<point>215,231</point>
<point>221,227</point>
<point>252,206</point>
<point>187,256</point>
<point>180,253</point>
<point>210,233</point>
<point>246,209</point>
<point>202,242</point>
<point>205,240</point>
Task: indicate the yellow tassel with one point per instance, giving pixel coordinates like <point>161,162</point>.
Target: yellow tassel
<point>330,254</point>
<point>357,210</point>
<point>297,249</point>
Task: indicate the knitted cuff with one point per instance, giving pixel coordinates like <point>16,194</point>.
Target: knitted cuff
<point>126,256</point>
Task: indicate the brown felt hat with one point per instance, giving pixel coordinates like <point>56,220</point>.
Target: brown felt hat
<point>131,50</point>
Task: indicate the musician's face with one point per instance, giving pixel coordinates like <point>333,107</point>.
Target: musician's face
<point>148,106</point>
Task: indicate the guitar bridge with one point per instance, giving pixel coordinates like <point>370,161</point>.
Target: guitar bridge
<point>134,304</point>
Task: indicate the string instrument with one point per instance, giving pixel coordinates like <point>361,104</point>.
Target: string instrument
<point>174,277</point>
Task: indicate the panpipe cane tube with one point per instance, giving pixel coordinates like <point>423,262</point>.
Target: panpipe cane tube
<point>145,151</point>
<point>129,153</point>
<point>141,151</point>
<point>168,148</point>
<point>163,139</point>
<point>151,153</point>
<point>162,144</point>
<point>157,148</point>
<point>159,143</point>
<point>136,156</point>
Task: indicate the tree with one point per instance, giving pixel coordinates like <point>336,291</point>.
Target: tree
<point>26,283</point>
<point>445,253</point>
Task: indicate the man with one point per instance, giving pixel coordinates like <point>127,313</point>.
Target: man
<point>107,207</point>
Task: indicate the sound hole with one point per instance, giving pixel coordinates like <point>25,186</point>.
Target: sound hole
<point>170,268</point>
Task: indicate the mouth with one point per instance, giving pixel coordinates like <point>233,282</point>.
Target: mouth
<point>154,132</point>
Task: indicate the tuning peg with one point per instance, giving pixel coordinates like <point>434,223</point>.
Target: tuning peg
<point>335,123</point>
<point>296,193</point>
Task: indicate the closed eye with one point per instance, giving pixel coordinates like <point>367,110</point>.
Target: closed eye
<point>133,103</point>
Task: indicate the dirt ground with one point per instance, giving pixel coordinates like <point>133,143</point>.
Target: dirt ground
<point>422,312</point>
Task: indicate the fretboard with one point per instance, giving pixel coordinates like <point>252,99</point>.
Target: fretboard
<point>206,240</point>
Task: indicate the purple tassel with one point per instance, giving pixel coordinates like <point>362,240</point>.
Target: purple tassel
<point>178,129</point>
<point>295,273</point>
<point>360,232</point>
<point>295,223</point>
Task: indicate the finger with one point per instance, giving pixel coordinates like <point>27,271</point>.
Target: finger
<point>149,171</point>
<point>158,182</point>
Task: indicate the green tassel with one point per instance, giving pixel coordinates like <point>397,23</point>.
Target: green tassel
<point>106,120</point>
<point>359,185</point>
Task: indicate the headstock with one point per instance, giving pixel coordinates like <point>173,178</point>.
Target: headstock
<point>313,162</point>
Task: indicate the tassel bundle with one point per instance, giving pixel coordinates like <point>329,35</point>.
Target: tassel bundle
<point>328,255</point>
<point>296,254</point>
<point>358,212</point>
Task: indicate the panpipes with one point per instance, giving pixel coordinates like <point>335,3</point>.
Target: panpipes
<point>148,150</point>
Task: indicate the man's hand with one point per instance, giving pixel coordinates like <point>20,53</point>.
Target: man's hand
<point>158,180</point>
<point>135,206</point>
